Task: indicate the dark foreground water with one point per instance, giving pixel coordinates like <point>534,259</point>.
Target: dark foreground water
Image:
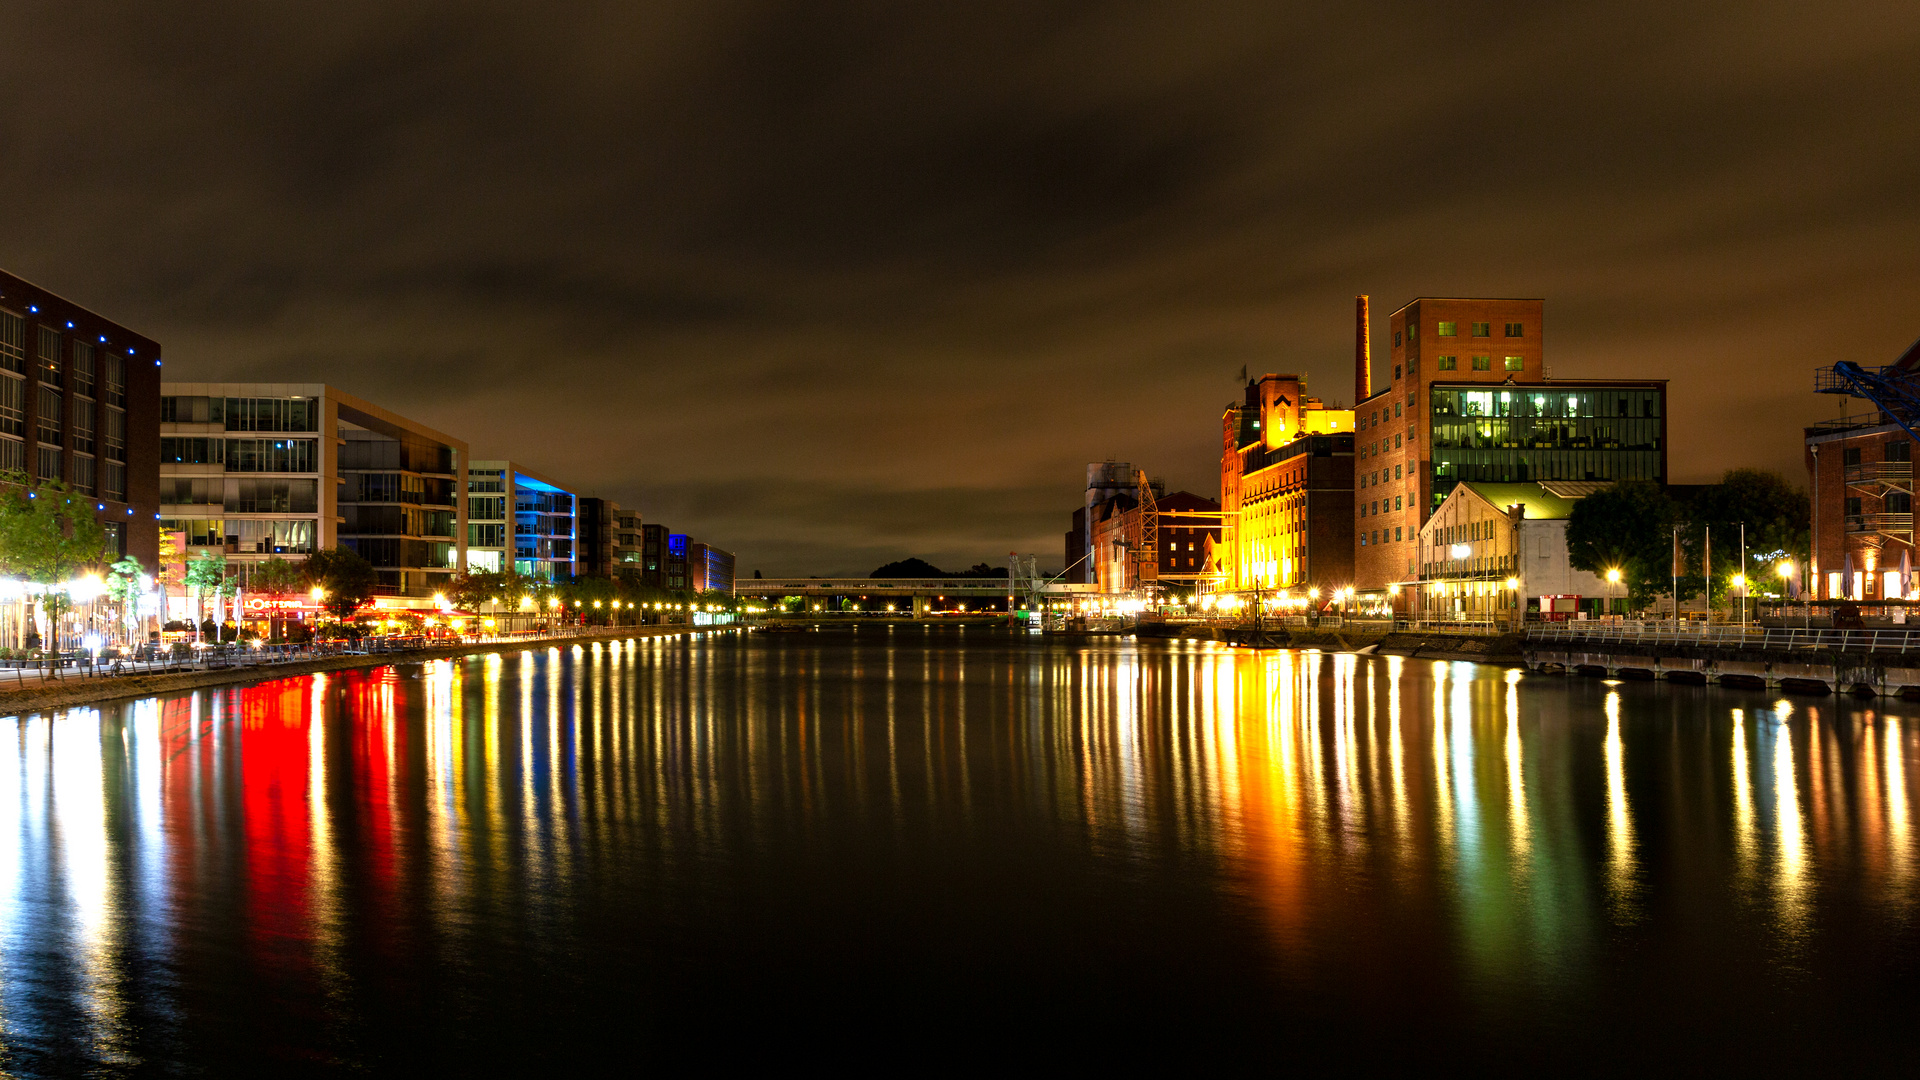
<point>914,850</point>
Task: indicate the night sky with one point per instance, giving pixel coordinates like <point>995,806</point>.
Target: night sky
<point>830,284</point>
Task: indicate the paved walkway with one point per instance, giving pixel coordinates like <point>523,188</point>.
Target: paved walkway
<point>260,662</point>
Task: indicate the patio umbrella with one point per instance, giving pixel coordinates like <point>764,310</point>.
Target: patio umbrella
<point>1906,573</point>
<point>1846,579</point>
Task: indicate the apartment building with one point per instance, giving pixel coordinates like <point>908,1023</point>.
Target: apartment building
<point>258,470</point>
<point>521,520</point>
<point>709,568</point>
<point>609,538</point>
<point>80,403</point>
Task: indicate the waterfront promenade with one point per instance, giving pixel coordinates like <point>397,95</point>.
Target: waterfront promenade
<point>25,691</point>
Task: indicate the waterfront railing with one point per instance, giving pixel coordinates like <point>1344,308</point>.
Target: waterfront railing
<point>1667,634</point>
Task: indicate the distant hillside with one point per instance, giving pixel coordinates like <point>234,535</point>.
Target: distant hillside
<point>920,568</point>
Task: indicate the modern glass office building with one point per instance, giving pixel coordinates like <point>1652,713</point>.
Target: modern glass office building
<point>258,470</point>
<point>1559,431</point>
<point>522,521</point>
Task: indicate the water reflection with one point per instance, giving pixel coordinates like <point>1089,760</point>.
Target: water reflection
<point>280,870</point>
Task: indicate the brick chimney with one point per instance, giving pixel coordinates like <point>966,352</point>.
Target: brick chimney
<point>1362,353</point>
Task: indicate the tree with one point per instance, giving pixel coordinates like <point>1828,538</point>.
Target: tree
<point>345,578</point>
<point>909,568</point>
<point>1625,527</point>
<point>47,535</point>
<point>1777,517</point>
<point>206,573</point>
<point>123,584</point>
<point>278,579</point>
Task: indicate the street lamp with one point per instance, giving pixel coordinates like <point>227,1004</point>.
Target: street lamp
<point>1613,578</point>
<point>1740,581</point>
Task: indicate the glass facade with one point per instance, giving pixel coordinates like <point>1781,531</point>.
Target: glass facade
<point>1513,434</point>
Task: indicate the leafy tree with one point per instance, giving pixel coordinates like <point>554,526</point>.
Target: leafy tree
<point>1625,526</point>
<point>346,578</point>
<point>1777,517</point>
<point>46,536</point>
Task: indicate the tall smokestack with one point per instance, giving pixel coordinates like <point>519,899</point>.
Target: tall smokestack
<point>1362,352</point>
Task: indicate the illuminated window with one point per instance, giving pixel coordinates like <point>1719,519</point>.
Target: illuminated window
<point>1448,329</point>
<point>1481,329</point>
<point>1449,363</point>
<point>1513,363</point>
<point>1483,363</point>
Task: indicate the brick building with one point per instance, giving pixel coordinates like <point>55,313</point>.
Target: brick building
<point>1860,469</point>
<point>80,403</point>
<point>1286,490</point>
<point>1181,542</point>
<point>1467,398</point>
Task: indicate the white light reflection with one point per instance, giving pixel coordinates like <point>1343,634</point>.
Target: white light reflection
<point>1620,845</point>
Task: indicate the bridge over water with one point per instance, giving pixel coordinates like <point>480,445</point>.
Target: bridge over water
<point>911,595</point>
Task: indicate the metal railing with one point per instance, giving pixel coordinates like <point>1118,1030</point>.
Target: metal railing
<point>1858,523</point>
<point>1870,472</point>
<point>1726,637</point>
<point>163,660</point>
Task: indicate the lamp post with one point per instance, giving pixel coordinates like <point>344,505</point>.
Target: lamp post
<point>1740,581</point>
<point>1613,579</point>
<point>1785,570</point>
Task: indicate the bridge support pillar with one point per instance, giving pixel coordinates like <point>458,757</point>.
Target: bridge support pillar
<point>920,607</point>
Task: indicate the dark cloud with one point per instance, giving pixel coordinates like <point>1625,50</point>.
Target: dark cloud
<point>832,283</point>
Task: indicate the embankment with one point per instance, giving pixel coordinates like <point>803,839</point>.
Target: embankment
<point>85,690</point>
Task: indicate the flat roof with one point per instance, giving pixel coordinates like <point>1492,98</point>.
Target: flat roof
<point>1469,300</point>
<point>523,476</point>
<point>357,411</point>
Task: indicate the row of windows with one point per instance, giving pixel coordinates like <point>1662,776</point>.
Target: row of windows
<point>1451,328</point>
<point>243,414</point>
<point>81,471</point>
<point>487,508</point>
<point>1377,507</point>
<point>244,535</point>
<point>1522,466</point>
<point>1639,404</point>
<point>47,423</point>
<point>52,364</point>
<point>245,496</point>
<point>1891,450</point>
<point>491,535</point>
<point>242,455</point>
<point>1379,536</point>
<point>396,521</point>
<point>1542,434</point>
<point>397,552</point>
<point>1481,363</point>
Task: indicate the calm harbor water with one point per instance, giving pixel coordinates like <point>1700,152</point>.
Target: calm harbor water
<point>916,848</point>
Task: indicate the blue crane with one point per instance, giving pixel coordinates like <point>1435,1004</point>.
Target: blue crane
<point>1894,388</point>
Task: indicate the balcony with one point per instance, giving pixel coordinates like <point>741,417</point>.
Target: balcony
<point>1899,524</point>
<point>1897,473</point>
